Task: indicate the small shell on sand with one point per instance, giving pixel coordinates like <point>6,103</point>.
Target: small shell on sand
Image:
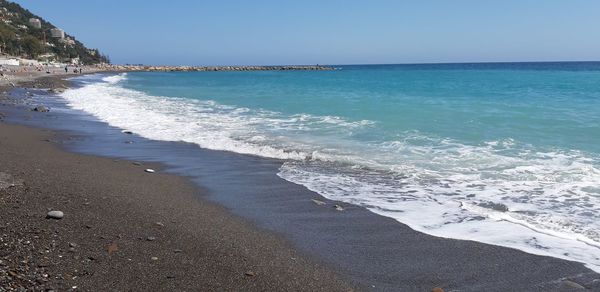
<point>149,170</point>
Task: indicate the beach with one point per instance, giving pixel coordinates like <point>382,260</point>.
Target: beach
<point>125,229</point>
<point>229,222</point>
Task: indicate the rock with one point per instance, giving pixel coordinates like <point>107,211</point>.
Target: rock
<point>437,289</point>
<point>41,109</point>
<point>57,90</point>
<point>338,208</point>
<point>72,244</point>
<point>177,251</point>
<point>154,258</point>
<point>494,206</point>
<point>160,224</point>
<point>250,273</point>
<point>149,170</point>
<point>573,285</point>
<point>137,163</point>
<point>55,215</point>
<point>150,238</point>
<point>320,203</point>
<point>127,132</point>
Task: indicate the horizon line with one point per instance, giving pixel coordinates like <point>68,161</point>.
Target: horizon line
<point>367,64</point>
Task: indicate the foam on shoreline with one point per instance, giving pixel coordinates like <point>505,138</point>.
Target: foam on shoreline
<point>452,202</point>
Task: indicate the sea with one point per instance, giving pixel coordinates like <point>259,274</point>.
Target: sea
<point>501,153</point>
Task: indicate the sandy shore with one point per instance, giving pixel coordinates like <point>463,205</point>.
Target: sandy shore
<point>125,229</point>
<point>199,245</point>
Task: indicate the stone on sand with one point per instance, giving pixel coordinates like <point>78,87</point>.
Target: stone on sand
<point>55,215</point>
<point>320,203</point>
<point>41,109</point>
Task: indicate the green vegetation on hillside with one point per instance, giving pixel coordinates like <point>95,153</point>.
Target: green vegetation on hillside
<point>19,38</point>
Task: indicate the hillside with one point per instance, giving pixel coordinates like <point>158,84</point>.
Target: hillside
<point>25,34</point>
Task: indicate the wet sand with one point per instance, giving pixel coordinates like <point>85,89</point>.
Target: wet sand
<point>115,205</point>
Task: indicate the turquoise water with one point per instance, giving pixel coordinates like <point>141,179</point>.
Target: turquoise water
<point>506,154</point>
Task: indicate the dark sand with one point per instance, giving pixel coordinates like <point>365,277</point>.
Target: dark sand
<point>369,250</point>
<point>199,245</point>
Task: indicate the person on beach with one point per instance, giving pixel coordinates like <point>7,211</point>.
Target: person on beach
<point>66,69</point>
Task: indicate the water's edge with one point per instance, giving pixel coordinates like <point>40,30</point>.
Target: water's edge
<point>357,241</point>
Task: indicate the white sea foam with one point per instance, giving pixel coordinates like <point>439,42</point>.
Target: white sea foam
<point>499,192</point>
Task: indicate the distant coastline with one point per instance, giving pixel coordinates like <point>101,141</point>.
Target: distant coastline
<point>166,68</point>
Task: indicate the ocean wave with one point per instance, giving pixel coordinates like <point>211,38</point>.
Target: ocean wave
<point>543,201</point>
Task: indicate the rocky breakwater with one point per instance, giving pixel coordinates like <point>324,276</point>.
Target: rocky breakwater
<point>211,68</point>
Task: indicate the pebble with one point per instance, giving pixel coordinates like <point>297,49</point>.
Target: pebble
<point>160,224</point>
<point>127,132</point>
<point>250,274</point>
<point>137,163</point>
<point>320,203</point>
<point>338,208</point>
<point>154,258</point>
<point>41,109</point>
<point>177,251</point>
<point>150,238</point>
<point>149,170</point>
<point>55,215</point>
<point>573,285</point>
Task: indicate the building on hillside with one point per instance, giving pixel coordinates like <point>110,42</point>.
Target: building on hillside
<point>35,23</point>
<point>68,41</point>
<point>57,33</point>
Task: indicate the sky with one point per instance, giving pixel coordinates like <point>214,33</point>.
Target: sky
<point>277,32</point>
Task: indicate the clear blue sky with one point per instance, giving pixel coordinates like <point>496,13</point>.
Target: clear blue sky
<point>225,32</point>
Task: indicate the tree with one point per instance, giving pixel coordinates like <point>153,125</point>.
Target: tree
<point>8,40</point>
<point>32,46</point>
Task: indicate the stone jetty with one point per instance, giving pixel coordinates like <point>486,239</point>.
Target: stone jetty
<point>110,67</point>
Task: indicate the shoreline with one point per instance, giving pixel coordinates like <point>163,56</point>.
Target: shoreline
<point>417,268</point>
<point>127,229</point>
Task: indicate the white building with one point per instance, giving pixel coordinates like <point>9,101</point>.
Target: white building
<point>35,23</point>
<point>57,33</point>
